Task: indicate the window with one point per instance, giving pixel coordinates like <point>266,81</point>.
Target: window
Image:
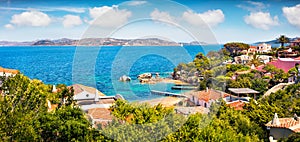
<point>205,105</point>
<point>87,95</point>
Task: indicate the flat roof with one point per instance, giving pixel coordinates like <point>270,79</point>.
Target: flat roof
<point>243,91</point>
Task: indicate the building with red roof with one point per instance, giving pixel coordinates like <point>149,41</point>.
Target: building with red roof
<point>237,105</point>
<point>206,97</point>
<point>283,127</point>
<point>8,72</point>
<point>252,49</point>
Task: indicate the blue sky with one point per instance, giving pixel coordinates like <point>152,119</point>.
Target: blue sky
<point>213,21</point>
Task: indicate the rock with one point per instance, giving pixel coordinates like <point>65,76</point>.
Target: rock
<point>125,78</point>
<point>145,76</point>
<point>157,75</point>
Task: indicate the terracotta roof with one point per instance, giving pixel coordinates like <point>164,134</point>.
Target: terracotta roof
<point>253,47</point>
<point>237,105</point>
<point>9,70</point>
<point>209,94</point>
<point>100,113</point>
<point>288,123</point>
<point>78,88</point>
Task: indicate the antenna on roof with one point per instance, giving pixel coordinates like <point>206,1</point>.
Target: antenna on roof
<point>96,95</point>
<point>54,90</point>
<point>275,120</point>
<point>296,117</point>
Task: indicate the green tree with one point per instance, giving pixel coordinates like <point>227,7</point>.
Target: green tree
<point>235,47</point>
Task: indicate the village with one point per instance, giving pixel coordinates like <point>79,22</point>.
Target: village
<point>96,105</point>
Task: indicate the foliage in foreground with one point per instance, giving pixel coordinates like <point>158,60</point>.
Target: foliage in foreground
<point>24,117</point>
<point>226,125</point>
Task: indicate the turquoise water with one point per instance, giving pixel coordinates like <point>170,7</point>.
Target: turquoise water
<point>100,67</point>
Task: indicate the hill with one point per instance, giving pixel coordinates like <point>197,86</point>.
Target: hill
<point>99,42</point>
<point>273,41</point>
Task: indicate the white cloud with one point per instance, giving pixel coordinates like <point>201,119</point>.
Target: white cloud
<point>161,16</point>
<point>71,20</point>
<point>210,17</point>
<point>136,2</point>
<point>292,14</point>
<point>31,18</point>
<point>106,16</point>
<point>9,26</point>
<point>261,20</point>
<point>253,6</point>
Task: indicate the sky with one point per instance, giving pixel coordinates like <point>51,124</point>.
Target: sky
<point>212,21</point>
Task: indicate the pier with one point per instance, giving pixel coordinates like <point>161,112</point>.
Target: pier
<point>167,94</point>
<point>185,87</point>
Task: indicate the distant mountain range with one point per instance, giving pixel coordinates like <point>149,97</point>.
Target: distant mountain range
<point>274,41</point>
<point>99,42</point>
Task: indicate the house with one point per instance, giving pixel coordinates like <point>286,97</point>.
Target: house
<point>295,42</point>
<point>283,127</point>
<point>240,92</point>
<point>265,58</point>
<point>99,116</point>
<point>95,104</point>
<point>237,105</point>
<point>252,50</point>
<point>8,72</point>
<point>88,98</point>
<point>264,48</point>
<point>242,59</point>
<point>206,97</point>
<point>82,92</point>
<point>288,53</point>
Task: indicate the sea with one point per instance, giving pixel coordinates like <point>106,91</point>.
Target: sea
<point>101,67</point>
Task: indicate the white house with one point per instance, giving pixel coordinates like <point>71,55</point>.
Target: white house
<point>264,48</point>
<point>242,59</point>
<point>8,72</point>
<point>82,92</point>
<point>265,58</point>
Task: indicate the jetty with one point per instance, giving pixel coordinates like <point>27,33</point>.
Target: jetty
<point>167,94</point>
<point>183,87</point>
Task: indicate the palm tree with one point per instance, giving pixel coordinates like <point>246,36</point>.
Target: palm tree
<point>282,40</point>
<point>255,61</point>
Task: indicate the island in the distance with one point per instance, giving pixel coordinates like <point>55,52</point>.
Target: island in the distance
<point>100,42</point>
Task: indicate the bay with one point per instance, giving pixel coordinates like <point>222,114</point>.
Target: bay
<point>100,67</point>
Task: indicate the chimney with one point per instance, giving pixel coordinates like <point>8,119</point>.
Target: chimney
<point>96,95</point>
<point>296,117</point>
<point>54,90</point>
<point>206,89</point>
<point>275,120</point>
